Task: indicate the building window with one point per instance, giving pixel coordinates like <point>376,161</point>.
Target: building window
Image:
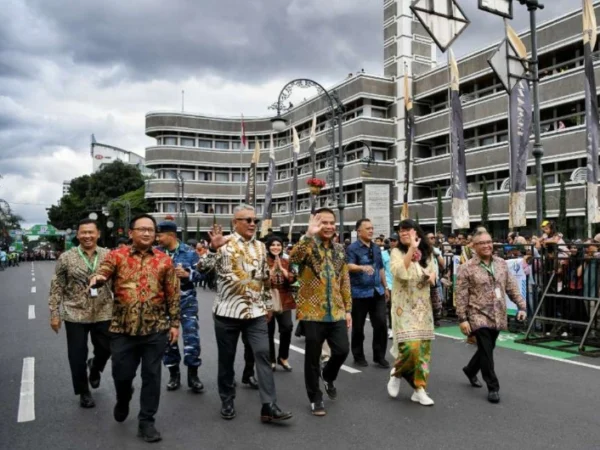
<point>379,155</point>
<point>222,208</point>
<point>187,142</point>
<point>190,208</point>
<point>204,176</point>
<point>378,113</point>
<point>204,143</point>
<point>222,145</point>
<point>238,177</point>
<point>187,175</point>
<point>487,141</point>
<point>236,145</point>
<point>170,174</point>
<point>170,141</point>
<point>170,207</point>
<point>158,141</point>
<point>222,177</point>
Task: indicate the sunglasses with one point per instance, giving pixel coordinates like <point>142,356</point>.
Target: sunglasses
<point>250,220</point>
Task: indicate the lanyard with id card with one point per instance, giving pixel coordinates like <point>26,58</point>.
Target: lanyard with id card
<point>93,291</point>
<point>490,269</point>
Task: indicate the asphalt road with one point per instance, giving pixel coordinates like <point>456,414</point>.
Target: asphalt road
<point>545,404</point>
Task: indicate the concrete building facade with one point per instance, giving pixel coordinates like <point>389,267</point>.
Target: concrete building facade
<point>204,150</point>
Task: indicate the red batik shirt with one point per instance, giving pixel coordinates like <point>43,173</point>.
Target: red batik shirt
<point>146,291</point>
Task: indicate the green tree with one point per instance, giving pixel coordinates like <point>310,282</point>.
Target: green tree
<point>91,192</point>
<point>440,210</point>
<point>485,208</point>
<point>562,207</point>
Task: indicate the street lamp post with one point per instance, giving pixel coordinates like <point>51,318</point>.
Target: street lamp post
<point>538,151</point>
<point>336,111</point>
<point>182,208</point>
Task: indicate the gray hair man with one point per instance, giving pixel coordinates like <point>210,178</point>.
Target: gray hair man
<point>243,305</point>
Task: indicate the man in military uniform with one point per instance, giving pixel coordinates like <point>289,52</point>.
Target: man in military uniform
<point>185,260</point>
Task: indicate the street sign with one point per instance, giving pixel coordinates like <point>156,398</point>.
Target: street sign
<point>502,8</point>
<point>443,20</point>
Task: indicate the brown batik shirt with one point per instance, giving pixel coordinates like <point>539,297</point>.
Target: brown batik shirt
<point>69,289</point>
<point>476,298</point>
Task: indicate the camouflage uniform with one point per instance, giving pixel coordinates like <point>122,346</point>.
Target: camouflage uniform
<point>188,258</point>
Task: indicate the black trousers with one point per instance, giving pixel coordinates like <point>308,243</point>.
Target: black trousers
<point>375,307</point>
<point>483,359</point>
<point>255,333</point>
<point>286,326</point>
<point>127,353</point>
<point>77,347</point>
<point>336,335</point>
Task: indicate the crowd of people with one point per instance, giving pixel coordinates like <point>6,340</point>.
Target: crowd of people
<point>133,301</point>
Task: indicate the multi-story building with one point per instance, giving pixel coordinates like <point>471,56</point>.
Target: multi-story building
<point>103,154</point>
<point>204,152</point>
<point>66,187</point>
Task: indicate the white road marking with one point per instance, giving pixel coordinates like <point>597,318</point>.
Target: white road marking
<point>33,280</point>
<point>33,290</point>
<point>450,337</point>
<point>567,361</point>
<point>301,351</point>
<point>27,398</point>
<point>31,312</point>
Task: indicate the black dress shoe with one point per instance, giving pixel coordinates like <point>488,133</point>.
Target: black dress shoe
<point>227,410</point>
<point>251,382</point>
<point>382,363</point>
<point>174,379</point>
<point>361,363</point>
<point>473,380</point>
<point>194,381</point>
<point>318,409</point>
<point>121,410</point>
<point>493,397</point>
<point>148,433</point>
<point>285,366</point>
<point>270,412</point>
<point>86,400</point>
<point>94,377</point>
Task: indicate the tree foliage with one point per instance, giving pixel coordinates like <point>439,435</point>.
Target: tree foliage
<point>91,192</point>
<point>562,207</point>
<point>485,207</point>
<point>440,210</point>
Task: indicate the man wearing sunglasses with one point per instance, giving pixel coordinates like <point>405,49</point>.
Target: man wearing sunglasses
<point>370,293</point>
<point>243,305</point>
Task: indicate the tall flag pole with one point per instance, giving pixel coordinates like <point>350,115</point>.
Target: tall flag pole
<point>251,187</point>
<point>296,152</point>
<point>408,134</point>
<point>268,207</point>
<point>243,148</point>
<point>312,146</point>
<point>519,121</point>
<point>591,113</point>
<point>460,200</point>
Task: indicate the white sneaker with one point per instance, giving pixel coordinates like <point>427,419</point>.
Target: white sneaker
<point>393,386</point>
<point>390,334</point>
<point>420,396</point>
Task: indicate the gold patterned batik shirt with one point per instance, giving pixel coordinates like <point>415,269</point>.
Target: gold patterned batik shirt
<point>243,286</point>
<point>69,289</point>
<point>324,281</point>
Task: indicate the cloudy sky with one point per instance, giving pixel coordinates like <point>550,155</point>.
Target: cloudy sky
<point>70,68</point>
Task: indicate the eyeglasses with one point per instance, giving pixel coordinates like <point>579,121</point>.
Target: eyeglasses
<point>144,230</point>
<point>250,220</point>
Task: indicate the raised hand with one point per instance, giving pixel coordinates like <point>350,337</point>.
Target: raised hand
<point>314,225</point>
<point>217,240</point>
<point>414,239</point>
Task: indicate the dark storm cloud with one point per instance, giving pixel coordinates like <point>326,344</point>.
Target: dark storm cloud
<point>241,40</point>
